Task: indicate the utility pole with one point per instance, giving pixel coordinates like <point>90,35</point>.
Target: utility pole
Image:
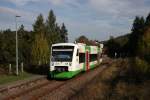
<point>16,45</point>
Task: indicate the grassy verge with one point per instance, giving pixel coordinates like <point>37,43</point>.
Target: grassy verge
<point>4,79</point>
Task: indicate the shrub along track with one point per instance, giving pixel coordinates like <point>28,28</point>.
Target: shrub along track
<point>53,89</point>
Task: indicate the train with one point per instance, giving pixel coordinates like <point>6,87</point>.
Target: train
<point>69,59</point>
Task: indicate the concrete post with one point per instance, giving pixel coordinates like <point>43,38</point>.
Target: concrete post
<point>22,67</point>
<point>9,68</point>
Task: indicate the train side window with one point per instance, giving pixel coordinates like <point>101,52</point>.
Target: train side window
<point>93,57</point>
<point>77,52</point>
<point>81,57</point>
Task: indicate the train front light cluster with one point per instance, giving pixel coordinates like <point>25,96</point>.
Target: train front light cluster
<point>52,64</point>
<point>70,64</point>
<point>61,68</point>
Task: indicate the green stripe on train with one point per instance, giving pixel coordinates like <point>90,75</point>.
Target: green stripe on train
<point>64,75</point>
<point>83,67</point>
<point>93,66</point>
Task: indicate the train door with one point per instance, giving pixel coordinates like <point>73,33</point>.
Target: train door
<point>87,61</point>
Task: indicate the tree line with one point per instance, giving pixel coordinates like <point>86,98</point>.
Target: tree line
<point>132,44</point>
<point>135,45</point>
<point>85,40</point>
<point>34,46</point>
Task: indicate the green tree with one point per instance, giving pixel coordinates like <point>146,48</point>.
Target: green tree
<point>25,41</point>
<point>1,50</point>
<point>8,46</point>
<point>147,22</point>
<point>113,47</point>
<point>57,34</point>
<point>145,50</point>
<point>64,33</point>
<point>39,26</point>
<point>51,27</point>
<point>21,32</point>
<point>136,35</point>
<point>51,22</point>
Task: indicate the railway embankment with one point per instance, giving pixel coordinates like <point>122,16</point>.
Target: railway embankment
<point>117,82</point>
<point>100,87</point>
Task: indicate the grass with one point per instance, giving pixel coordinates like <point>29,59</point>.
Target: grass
<point>4,79</point>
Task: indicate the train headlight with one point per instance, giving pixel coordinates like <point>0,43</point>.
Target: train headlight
<point>70,64</point>
<point>66,64</point>
<point>52,64</point>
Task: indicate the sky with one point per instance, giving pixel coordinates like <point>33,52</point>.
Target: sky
<point>96,19</point>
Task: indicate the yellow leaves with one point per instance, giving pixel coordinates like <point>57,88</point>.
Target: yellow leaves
<point>40,49</point>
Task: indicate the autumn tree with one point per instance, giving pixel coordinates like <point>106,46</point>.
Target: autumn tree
<point>40,50</point>
<point>82,39</point>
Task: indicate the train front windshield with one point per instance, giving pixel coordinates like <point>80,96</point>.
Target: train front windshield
<point>62,53</point>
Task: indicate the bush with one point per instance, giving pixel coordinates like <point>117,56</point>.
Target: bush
<point>142,66</point>
<point>137,71</point>
<point>38,69</point>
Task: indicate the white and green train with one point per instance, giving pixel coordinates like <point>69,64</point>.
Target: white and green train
<point>69,59</point>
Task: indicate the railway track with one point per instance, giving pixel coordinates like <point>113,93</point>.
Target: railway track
<point>20,84</point>
<point>15,89</point>
<point>44,89</point>
<point>35,92</point>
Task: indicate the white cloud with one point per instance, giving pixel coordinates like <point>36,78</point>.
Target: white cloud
<point>21,2</point>
<point>56,2</point>
<point>9,11</point>
<point>120,8</point>
<point>8,17</point>
<point>53,2</point>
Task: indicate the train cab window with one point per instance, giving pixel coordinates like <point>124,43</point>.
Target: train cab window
<point>81,57</point>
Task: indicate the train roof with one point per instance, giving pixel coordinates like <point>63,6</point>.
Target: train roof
<point>81,46</point>
<point>64,44</point>
<point>72,44</point>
